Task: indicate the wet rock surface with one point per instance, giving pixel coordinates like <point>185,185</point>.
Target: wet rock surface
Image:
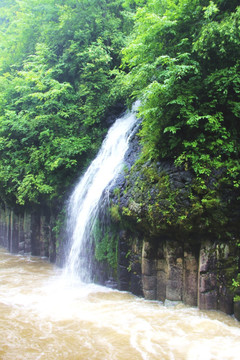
<point>173,265</point>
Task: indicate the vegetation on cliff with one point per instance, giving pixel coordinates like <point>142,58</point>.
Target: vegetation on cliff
<point>61,75</point>
<point>67,65</point>
<point>183,63</point>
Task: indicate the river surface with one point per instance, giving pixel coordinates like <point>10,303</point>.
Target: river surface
<point>44,317</point>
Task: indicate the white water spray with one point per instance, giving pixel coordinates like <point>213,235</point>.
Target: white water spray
<point>84,202</point>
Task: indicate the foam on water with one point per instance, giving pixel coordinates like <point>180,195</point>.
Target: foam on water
<point>42,318</point>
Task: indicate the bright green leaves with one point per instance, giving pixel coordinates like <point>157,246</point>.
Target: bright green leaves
<point>181,68</point>
<point>39,92</point>
<point>168,103</point>
<point>57,84</point>
<point>40,131</point>
<point>106,244</point>
<point>30,188</point>
<point>210,10</point>
<point>218,48</point>
<point>182,61</point>
<point>60,76</point>
<point>94,81</point>
<point>26,22</point>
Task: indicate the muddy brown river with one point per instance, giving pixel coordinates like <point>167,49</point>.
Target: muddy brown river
<point>44,317</point>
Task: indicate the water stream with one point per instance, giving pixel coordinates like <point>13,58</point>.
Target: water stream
<point>42,318</point>
<point>87,195</point>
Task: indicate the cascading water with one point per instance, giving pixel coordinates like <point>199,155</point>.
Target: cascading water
<point>84,202</point>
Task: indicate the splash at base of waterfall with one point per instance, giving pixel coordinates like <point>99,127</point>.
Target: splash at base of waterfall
<point>87,195</point>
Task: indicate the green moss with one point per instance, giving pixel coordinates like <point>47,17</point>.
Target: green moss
<point>106,244</point>
<point>158,203</point>
<point>236,279</point>
<point>116,192</point>
<point>59,224</point>
<point>114,213</point>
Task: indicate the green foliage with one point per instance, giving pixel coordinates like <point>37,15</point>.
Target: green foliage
<point>115,213</point>
<point>236,280</point>
<point>36,129</point>
<point>59,224</point>
<point>236,287</point>
<point>166,200</point>
<point>57,84</point>
<point>24,22</point>
<point>106,244</point>
<point>189,85</point>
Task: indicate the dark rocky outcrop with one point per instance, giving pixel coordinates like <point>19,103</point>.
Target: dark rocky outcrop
<point>27,232</point>
<point>197,275</point>
<point>172,242</point>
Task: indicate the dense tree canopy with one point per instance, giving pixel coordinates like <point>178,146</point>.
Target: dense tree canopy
<point>65,65</point>
<point>56,78</point>
<point>182,61</point>
<point>184,64</point>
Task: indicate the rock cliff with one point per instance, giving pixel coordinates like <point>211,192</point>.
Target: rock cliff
<point>174,245</point>
<point>28,232</point>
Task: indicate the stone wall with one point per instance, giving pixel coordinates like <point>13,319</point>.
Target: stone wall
<point>27,232</point>
<point>197,275</point>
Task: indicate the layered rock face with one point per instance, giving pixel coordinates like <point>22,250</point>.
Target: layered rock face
<point>172,235</point>
<point>27,232</point>
<point>197,276</point>
<point>168,270</point>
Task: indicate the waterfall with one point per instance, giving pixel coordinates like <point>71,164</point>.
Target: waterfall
<point>84,202</point>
